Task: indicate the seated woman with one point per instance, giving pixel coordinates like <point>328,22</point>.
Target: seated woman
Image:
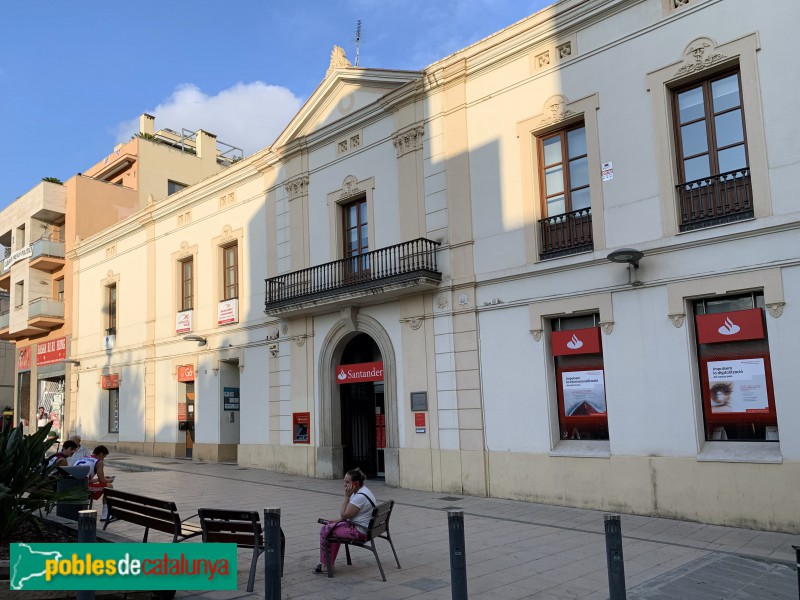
<point>353,519</point>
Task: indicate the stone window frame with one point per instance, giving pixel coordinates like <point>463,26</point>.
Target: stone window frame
<point>186,252</point>
<point>352,189</point>
<point>110,280</point>
<point>679,297</point>
<point>227,237</point>
<point>713,58</point>
<point>540,314</point>
<point>557,113</point>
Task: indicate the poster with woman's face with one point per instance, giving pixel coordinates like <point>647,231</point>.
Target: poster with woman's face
<point>737,386</point>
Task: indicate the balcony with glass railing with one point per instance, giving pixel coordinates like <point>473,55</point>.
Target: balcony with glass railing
<point>45,313</point>
<point>4,319</point>
<point>48,254</point>
<point>370,278</point>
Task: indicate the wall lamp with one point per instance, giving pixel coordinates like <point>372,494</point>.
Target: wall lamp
<point>631,256</point>
<point>71,361</point>
<point>201,341</point>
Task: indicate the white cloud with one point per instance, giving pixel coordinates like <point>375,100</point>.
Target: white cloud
<point>246,115</point>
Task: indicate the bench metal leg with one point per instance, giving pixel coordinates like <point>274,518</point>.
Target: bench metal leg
<point>251,581</point>
<point>389,539</point>
<point>328,563</point>
<point>347,553</point>
<point>377,558</point>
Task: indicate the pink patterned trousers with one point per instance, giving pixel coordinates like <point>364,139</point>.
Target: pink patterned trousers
<point>342,529</point>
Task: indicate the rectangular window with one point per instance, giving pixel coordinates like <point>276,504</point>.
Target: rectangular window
<point>19,294</point>
<point>711,147</point>
<point>580,377</point>
<point>111,306</point>
<point>566,205</point>
<point>113,410</point>
<point>174,186</point>
<point>60,289</point>
<point>187,281</point>
<point>230,272</point>
<point>20,238</point>
<point>355,227</point>
<point>735,372</point>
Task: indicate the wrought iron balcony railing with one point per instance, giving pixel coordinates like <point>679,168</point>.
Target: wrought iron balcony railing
<point>569,233</point>
<point>402,262</point>
<point>715,200</point>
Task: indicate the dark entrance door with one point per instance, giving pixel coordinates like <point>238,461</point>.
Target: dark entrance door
<point>363,412</point>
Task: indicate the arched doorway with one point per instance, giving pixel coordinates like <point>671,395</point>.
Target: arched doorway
<point>363,413</point>
<point>330,452</point>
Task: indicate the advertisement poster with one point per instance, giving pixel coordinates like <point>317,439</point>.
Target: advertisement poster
<point>301,423</point>
<point>183,321</point>
<point>738,386</point>
<point>228,312</point>
<point>584,393</point>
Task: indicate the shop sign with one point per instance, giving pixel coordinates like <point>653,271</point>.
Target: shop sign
<point>109,382</point>
<point>183,321</point>
<point>230,398</point>
<point>733,326</point>
<point>577,341</point>
<point>24,359</point>
<point>584,393</point>
<point>51,352</point>
<point>371,371</point>
<point>419,422</point>
<point>738,386</point>
<point>301,425</point>
<point>26,252</point>
<point>186,373</point>
<point>182,411</point>
<point>228,312</point>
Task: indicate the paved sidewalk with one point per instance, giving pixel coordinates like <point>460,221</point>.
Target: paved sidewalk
<point>514,549</point>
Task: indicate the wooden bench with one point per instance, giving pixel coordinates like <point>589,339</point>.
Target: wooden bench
<point>378,528</point>
<point>150,513</point>
<point>240,527</point>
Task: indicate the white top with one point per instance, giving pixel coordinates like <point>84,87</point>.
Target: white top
<point>359,499</point>
<point>81,452</point>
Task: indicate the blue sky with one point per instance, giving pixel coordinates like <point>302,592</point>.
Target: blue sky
<point>75,76</point>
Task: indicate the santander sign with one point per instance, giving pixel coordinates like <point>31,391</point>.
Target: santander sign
<point>371,371</point>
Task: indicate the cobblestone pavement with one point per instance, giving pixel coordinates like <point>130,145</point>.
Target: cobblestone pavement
<point>515,549</point>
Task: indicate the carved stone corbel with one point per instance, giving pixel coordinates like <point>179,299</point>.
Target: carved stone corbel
<point>607,327</point>
<point>775,309</point>
<point>349,315</point>
<point>537,334</point>
<point>677,319</point>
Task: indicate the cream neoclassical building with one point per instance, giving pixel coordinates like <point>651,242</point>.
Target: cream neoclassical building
<point>558,265</point>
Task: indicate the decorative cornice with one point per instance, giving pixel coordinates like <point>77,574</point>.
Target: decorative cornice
<point>350,187</point>
<point>698,55</point>
<point>408,140</point>
<point>555,110</point>
<point>297,187</point>
<point>338,60</point>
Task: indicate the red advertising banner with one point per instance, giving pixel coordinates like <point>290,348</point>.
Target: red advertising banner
<point>371,371</point>
<point>301,426</point>
<point>24,358</point>
<point>380,431</point>
<point>109,382</point>
<point>186,373</point>
<point>51,352</point>
<point>577,341</point>
<point>419,419</point>
<point>733,326</point>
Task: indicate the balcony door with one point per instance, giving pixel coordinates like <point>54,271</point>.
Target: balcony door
<point>355,227</point>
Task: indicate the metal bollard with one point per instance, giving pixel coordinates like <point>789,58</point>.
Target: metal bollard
<point>272,554</point>
<point>616,563</point>
<point>458,554</point>
<point>797,560</point>
<point>87,534</point>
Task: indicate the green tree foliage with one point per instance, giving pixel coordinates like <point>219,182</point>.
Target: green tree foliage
<point>53,180</point>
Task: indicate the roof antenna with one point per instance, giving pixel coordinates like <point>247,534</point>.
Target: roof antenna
<point>358,38</point>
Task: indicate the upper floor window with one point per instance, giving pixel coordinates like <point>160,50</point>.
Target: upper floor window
<point>19,294</point>
<point>59,285</point>
<point>111,306</point>
<point>174,186</point>
<point>566,204</point>
<point>230,272</point>
<point>356,236</point>
<point>711,147</point>
<point>187,278</point>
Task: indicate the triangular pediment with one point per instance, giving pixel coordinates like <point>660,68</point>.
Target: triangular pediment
<point>344,91</point>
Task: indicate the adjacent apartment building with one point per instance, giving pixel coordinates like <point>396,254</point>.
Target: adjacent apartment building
<point>558,265</point>
<point>39,229</point>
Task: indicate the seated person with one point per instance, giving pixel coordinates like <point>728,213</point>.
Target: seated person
<point>354,517</point>
<point>61,459</point>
